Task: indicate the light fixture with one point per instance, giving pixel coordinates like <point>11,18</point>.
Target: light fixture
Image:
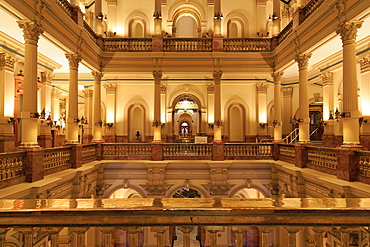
<point>275,123</point>
<point>100,16</point>
<point>99,123</point>
<point>263,125</point>
<point>362,120</point>
<point>218,16</point>
<point>110,125</point>
<point>156,123</point>
<point>157,15</point>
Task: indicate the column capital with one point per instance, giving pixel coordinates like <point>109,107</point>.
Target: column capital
<point>327,78</point>
<point>210,88</point>
<point>262,88</point>
<point>157,75</point>
<point>110,88</point>
<point>302,60</point>
<point>73,60</point>
<point>55,93</point>
<point>287,91</point>
<point>217,74</point>
<point>31,31</point>
<point>186,229</point>
<point>348,31</point>
<point>276,76</point>
<point>163,88</point>
<point>47,77</point>
<point>88,93</point>
<point>365,64</point>
<point>6,61</point>
<point>97,76</point>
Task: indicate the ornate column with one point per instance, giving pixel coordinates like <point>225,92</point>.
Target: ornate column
<point>304,120</point>
<point>29,115</point>
<point>186,230</point>
<point>213,230</point>
<point>164,118</point>
<point>351,113</point>
<point>88,113</point>
<point>72,117</point>
<point>365,100</point>
<point>44,138</point>
<point>217,133</point>
<point>110,89</point>
<point>262,108</point>
<point>277,123</point>
<point>265,239</point>
<point>157,106</point>
<point>239,230</point>
<point>328,109</point>
<point>210,107</point>
<point>159,230</point>
<point>134,236</point>
<point>7,120</point>
<point>98,123</point>
<point>319,231</point>
<point>287,113</point>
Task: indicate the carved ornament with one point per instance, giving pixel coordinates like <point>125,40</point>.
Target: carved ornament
<point>31,31</point>
<point>365,64</point>
<point>97,76</point>
<point>348,31</point>
<point>327,78</point>
<point>218,189</point>
<point>217,76</point>
<point>6,61</point>
<point>156,189</point>
<point>157,75</point>
<point>302,60</point>
<point>88,93</point>
<point>262,88</point>
<point>287,91</point>
<point>276,76</point>
<point>73,60</point>
<point>110,88</point>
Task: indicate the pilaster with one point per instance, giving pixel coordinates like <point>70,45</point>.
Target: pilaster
<point>277,123</point>
<point>217,125</point>
<point>98,123</point>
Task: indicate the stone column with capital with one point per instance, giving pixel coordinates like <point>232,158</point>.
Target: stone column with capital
<point>29,115</point>
<point>98,123</point>
<point>157,124</point>
<point>110,90</point>
<point>287,113</point>
<point>351,113</point>
<point>44,139</point>
<point>328,109</point>
<point>277,123</point>
<point>72,118</point>
<point>217,127</point>
<point>88,109</point>
<point>186,230</point>
<point>304,120</point>
<point>262,109</point>
<point>365,101</point>
<point>7,137</point>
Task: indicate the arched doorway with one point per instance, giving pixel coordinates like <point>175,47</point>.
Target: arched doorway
<point>186,118</point>
<point>186,27</point>
<point>136,115</point>
<point>236,123</point>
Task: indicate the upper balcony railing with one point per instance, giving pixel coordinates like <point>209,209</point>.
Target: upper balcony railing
<point>311,6</point>
<point>247,44</point>
<point>127,44</point>
<point>187,44</point>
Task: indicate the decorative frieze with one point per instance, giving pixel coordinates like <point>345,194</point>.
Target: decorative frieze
<point>156,189</point>
<point>31,31</point>
<point>218,189</point>
<point>73,60</point>
<point>327,78</point>
<point>365,64</point>
<point>302,60</point>
<point>348,31</point>
<point>110,88</point>
<point>6,61</point>
<point>262,88</point>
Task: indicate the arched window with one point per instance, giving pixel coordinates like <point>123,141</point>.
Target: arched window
<point>184,128</point>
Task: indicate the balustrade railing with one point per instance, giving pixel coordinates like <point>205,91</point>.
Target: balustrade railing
<point>187,44</point>
<point>311,6</point>
<point>88,153</point>
<point>11,165</point>
<point>56,157</point>
<point>187,149</point>
<point>126,150</point>
<point>247,149</point>
<point>327,220</point>
<point>127,44</point>
<point>287,153</point>
<point>364,163</point>
<point>322,157</point>
<point>247,44</point>
<point>288,29</point>
<point>93,36</point>
<point>66,6</point>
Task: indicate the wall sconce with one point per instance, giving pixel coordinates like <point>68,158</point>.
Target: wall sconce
<point>82,121</point>
<point>273,17</point>
<point>275,123</point>
<point>218,16</point>
<point>322,122</point>
<point>13,120</point>
<point>99,123</point>
<point>338,115</point>
<point>295,120</point>
<point>100,16</point>
<point>157,15</point>
<point>34,115</point>
<point>211,125</point>
<point>361,120</point>
<point>157,123</point>
<point>110,125</point>
<point>263,125</point>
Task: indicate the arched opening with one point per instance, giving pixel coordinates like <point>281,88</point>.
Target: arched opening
<point>136,123</point>
<point>137,28</point>
<point>236,123</point>
<point>235,29</point>
<point>186,118</point>
<point>186,27</point>
<point>125,193</point>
